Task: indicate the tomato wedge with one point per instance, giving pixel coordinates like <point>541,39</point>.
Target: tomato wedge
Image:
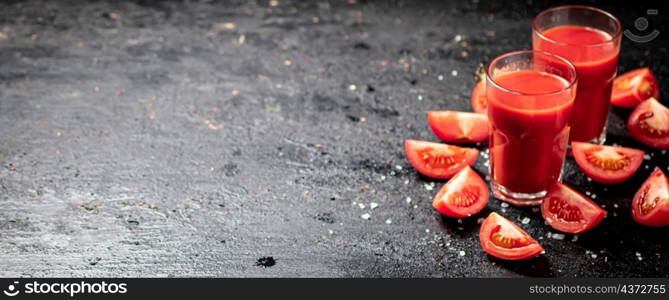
<point>503,239</point>
<point>479,99</point>
<point>607,164</point>
<point>650,205</point>
<point>440,161</point>
<point>568,211</point>
<point>634,87</point>
<point>649,124</point>
<point>458,127</point>
<point>463,195</point>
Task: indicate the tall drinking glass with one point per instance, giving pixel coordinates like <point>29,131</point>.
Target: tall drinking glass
<point>590,39</point>
<point>530,99</point>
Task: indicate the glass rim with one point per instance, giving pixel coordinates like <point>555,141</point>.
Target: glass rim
<point>615,36</point>
<point>518,52</point>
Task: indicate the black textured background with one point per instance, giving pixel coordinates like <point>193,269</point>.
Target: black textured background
<point>198,138</point>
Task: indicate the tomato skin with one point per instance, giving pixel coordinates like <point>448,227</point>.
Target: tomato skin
<point>478,98</point>
<point>650,113</point>
<point>591,214</point>
<point>656,187</point>
<point>462,157</point>
<point>634,87</point>
<point>458,127</point>
<point>465,183</point>
<point>495,222</point>
<point>582,151</point>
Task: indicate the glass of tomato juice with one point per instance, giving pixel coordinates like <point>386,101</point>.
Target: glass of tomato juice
<point>589,38</point>
<point>530,100</point>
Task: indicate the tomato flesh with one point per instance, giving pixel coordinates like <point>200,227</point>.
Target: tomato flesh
<point>463,195</point>
<point>503,239</point>
<point>649,124</point>
<point>440,161</point>
<point>568,211</point>
<point>634,87</point>
<point>458,127</point>
<point>650,205</point>
<point>478,98</point>
<point>607,164</point>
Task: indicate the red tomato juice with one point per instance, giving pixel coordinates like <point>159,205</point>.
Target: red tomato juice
<point>596,60</point>
<point>529,116</point>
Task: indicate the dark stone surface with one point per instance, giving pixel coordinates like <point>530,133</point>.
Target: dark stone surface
<point>154,139</point>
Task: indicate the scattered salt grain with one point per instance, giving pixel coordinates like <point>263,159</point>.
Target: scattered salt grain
<point>594,255</point>
<point>504,204</point>
<point>525,220</point>
<point>637,254</point>
<point>389,221</point>
<point>440,77</point>
<point>615,205</point>
<point>574,238</point>
<point>457,38</point>
<point>420,97</point>
<point>365,216</point>
<point>461,228</point>
<point>408,200</point>
<point>352,87</point>
<point>427,230</point>
<point>406,181</point>
<point>429,186</point>
<point>330,232</point>
<point>589,179</point>
<point>664,151</point>
<point>383,177</point>
<point>415,206</point>
<point>462,253</point>
<point>398,167</point>
<point>594,196</point>
<point>361,205</point>
<point>459,221</point>
<point>557,236</point>
<point>646,157</point>
<point>588,193</point>
<point>454,73</point>
<point>373,205</point>
<point>479,220</point>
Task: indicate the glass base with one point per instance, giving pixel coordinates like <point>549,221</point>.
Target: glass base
<point>600,140</point>
<point>517,199</point>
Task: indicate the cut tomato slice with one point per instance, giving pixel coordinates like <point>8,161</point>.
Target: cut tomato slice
<point>649,124</point>
<point>440,161</point>
<point>607,164</point>
<point>503,239</point>
<point>634,87</point>
<point>568,211</point>
<point>650,205</point>
<point>479,99</point>
<point>458,127</point>
<point>463,195</point>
